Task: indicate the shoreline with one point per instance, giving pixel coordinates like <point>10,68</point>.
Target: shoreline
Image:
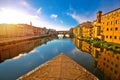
<point>102,44</point>
<point>19,39</point>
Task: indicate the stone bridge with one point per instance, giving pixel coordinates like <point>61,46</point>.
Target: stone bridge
<point>63,32</point>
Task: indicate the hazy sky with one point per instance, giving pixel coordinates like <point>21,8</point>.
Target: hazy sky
<point>56,14</point>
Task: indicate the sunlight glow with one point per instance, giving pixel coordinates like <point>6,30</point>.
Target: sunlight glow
<point>13,16</point>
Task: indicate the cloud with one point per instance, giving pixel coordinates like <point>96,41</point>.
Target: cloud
<point>39,10</point>
<point>14,16</point>
<point>23,12</point>
<point>24,3</point>
<point>19,56</point>
<point>86,16</point>
<point>79,18</point>
<point>54,16</point>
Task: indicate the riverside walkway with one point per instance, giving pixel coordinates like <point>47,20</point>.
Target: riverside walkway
<point>60,67</point>
<point>4,41</point>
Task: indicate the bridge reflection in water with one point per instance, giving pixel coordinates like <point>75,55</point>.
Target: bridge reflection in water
<point>105,60</point>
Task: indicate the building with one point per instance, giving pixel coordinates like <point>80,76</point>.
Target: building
<point>71,30</point>
<point>108,62</point>
<point>51,32</point>
<point>36,31</point>
<point>18,30</point>
<point>96,31</point>
<point>83,30</point>
<point>86,29</point>
<point>24,30</point>
<point>110,26</point>
<point>43,31</point>
<point>75,31</point>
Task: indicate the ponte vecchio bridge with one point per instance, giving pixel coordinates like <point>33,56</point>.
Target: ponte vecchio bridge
<point>64,33</point>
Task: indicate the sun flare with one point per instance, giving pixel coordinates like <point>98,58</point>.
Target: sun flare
<point>13,16</point>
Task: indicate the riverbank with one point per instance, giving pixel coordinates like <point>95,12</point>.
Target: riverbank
<point>61,67</point>
<point>103,44</point>
<point>6,41</point>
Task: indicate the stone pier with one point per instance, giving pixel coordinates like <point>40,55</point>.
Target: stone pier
<point>60,67</point>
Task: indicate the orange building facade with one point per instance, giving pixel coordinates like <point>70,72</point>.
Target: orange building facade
<point>18,30</point>
<point>83,30</point>
<point>105,60</point>
<point>106,27</point>
<point>110,26</point>
<point>108,62</point>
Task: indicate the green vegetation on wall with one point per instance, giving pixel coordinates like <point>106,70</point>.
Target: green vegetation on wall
<point>103,44</point>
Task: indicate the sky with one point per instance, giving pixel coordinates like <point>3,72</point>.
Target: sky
<point>53,14</point>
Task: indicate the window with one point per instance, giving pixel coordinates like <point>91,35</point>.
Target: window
<point>111,69</point>
<point>116,28</point>
<point>117,57</point>
<point>107,23</point>
<point>116,21</point>
<point>112,63</point>
<point>110,37</point>
<point>115,37</point>
<point>116,65</point>
<point>111,29</point>
<point>104,58</point>
<point>107,29</point>
<point>115,72</point>
<point>111,22</point>
<point>106,36</point>
<point>98,30</point>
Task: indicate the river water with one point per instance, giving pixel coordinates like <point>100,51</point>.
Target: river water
<point>19,58</point>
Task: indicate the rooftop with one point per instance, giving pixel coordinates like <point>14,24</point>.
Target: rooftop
<point>111,11</point>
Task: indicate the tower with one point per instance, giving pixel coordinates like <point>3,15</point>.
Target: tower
<point>30,23</point>
<point>98,15</point>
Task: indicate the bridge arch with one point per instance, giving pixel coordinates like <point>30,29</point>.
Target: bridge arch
<point>64,33</point>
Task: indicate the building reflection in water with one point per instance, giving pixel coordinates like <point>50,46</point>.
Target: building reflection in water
<point>105,60</point>
<point>13,50</point>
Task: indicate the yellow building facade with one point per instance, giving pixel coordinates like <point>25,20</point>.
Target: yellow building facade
<point>86,29</point>
<point>108,62</point>
<point>96,31</point>
<point>83,30</point>
<point>75,31</point>
<point>106,27</point>
<point>110,26</point>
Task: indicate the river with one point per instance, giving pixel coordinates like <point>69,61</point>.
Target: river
<point>19,58</point>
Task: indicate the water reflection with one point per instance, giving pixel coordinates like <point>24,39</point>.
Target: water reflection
<point>24,56</point>
<point>15,67</point>
<point>13,50</point>
<point>60,36</point>
<point>107,61</point>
